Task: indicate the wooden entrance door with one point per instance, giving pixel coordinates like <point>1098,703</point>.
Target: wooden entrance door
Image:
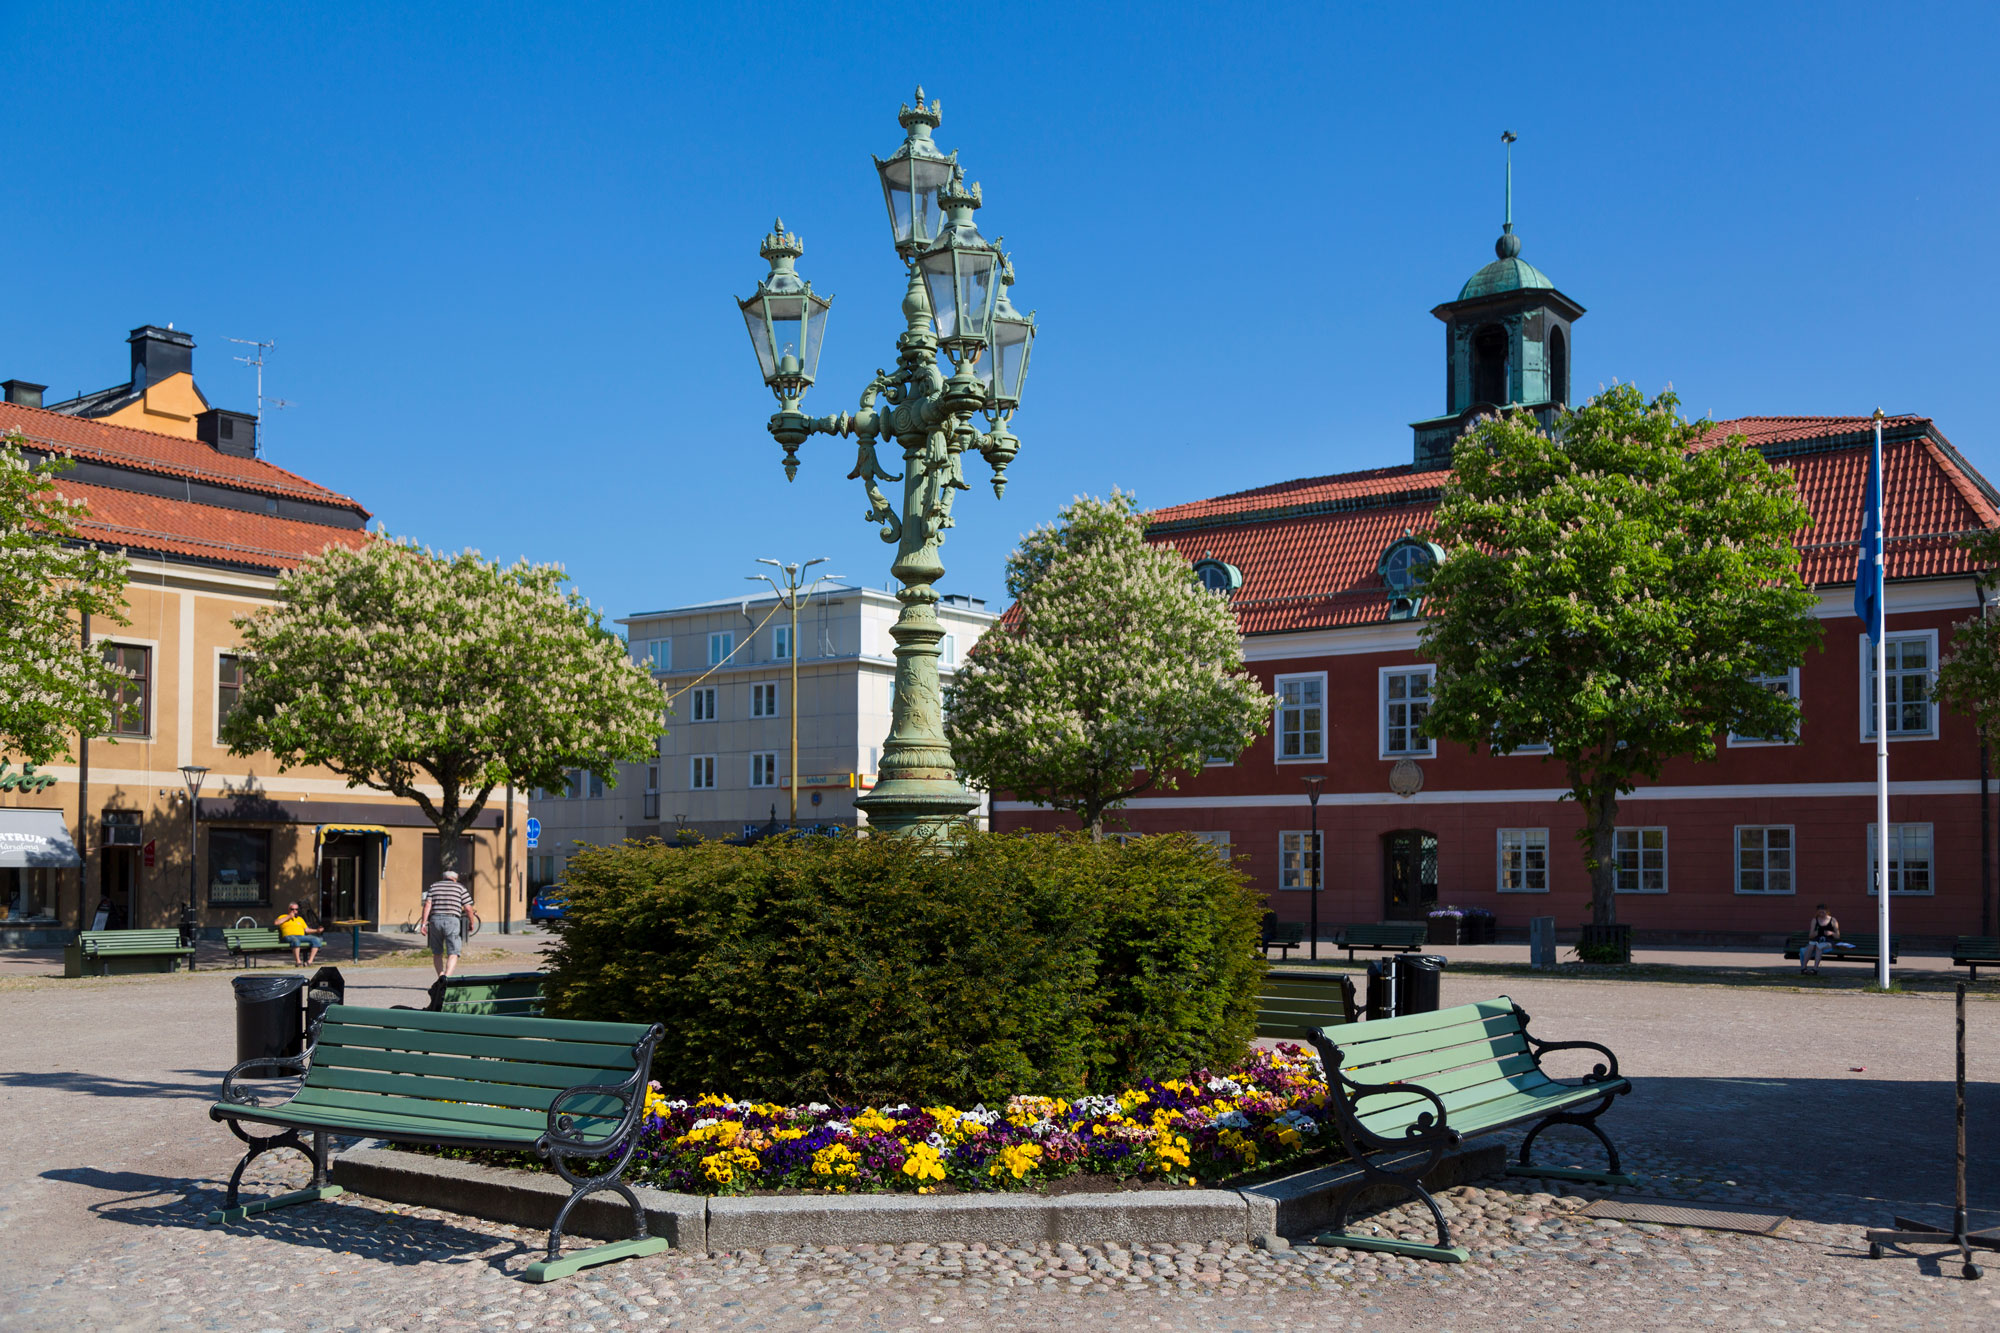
<point>339,888</point>
<point>1409,874</point>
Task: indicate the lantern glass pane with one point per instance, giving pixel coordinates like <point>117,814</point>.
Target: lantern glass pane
<point>940,280</point>
<point>815,333</point>
<point>1008,356</point>
<point>787,313</point>
<point>760,335</point>
<point>910,184</point>
<point>977,274</point>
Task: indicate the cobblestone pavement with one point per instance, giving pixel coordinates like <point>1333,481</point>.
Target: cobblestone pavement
<point>110,1162</point>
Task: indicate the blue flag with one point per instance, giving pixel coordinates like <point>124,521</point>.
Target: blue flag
<point>1868,567</point>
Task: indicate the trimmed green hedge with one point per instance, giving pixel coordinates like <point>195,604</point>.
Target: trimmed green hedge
<point>881,970</point>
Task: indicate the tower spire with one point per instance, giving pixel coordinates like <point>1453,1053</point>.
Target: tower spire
<point>1509,244</point>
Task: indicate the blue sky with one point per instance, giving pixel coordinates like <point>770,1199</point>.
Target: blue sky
<point>497,245</point>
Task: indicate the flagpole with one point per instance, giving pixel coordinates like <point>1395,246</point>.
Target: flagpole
<point>1880,631</point>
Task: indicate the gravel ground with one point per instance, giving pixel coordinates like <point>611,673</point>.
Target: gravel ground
<point>111,1161</point>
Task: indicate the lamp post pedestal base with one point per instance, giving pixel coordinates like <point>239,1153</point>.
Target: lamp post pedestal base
<point>920,807</point>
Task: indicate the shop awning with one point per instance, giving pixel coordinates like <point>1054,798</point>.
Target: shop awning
<point>35,838</point>
<point>336,830</point>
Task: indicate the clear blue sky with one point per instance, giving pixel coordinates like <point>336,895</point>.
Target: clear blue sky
<point>497,245</point>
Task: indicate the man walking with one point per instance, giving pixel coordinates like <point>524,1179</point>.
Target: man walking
<point>448,917</point>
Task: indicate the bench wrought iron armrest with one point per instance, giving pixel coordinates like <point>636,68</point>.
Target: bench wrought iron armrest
<point>1599,1074</point>
<point>561,1134</point>
<point>1426,1126</point>
<point>236,1096</point>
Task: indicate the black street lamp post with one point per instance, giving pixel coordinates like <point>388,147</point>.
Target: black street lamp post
<point>1312,850</point>
<point>193,775</point>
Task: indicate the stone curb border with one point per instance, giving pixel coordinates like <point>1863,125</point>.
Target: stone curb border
<point>1296,1204</point>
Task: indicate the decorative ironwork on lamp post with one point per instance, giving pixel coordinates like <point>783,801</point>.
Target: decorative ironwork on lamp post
<point>954,301</point>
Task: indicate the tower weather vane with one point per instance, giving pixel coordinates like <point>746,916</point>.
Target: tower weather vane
<point>1508,137</point>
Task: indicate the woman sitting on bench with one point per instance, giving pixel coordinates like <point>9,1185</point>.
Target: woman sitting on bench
<point>1821,936</point>
<point>292,929</point>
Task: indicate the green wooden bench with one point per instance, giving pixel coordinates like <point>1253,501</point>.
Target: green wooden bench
<point>1423,1083</point>
<point>570,1092</point>
<point>1389,936</point>
<point>1975,952</point>
<point>1866,948</point>
<point>509,993</point>
<point>110,951</point>
<point>247,941</point>
<point>1284,936</point>
<point>1291,1004</point>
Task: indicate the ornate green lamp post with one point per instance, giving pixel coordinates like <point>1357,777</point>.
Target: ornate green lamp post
<point>954,301</point>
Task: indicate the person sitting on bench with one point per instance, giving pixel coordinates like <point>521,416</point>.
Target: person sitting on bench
<point>293,930</point>
<point>1821,936</point>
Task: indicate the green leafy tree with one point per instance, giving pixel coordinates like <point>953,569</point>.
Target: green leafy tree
<point>406,671</point>
<point>1114,671</point>
<point>1969,677</point>
<point>1610,592</point>
<point>52,684</point>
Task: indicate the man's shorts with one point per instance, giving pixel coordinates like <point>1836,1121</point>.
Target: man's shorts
<point>447,936</point>
<point>304,942</point>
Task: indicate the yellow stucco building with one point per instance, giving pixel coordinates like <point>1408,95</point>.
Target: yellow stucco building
<point>207,527</point>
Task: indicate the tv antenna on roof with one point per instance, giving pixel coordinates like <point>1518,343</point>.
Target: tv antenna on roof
<point>257,360</point>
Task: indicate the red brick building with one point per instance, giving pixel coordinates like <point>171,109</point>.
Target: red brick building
<point>1746,844</point>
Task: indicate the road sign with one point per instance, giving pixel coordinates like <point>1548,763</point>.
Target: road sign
<point>150,853</point>
<point>534,833</point>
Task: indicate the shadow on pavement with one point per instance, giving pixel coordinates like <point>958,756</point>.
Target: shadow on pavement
<point>332,1227</point>
<point>100,1085</point>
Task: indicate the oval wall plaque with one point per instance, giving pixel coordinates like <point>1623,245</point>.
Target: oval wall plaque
<point>1406,778</point>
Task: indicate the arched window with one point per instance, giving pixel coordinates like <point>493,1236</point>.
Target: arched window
<point>1404,567</point>
<point>1489,365</point>
<point>1218,576</point>
<point>1558,366</point>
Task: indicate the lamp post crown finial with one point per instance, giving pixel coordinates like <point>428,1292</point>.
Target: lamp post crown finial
<point>928,115</point>
<point>781,244</point>
<point>957,194</point>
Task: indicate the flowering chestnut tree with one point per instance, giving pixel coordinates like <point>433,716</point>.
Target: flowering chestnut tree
<point>1114,671</point>
<point>413,673</point>
<point>52,684</point>
<point>1613,594</point>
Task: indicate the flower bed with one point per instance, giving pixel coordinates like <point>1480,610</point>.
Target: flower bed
<point>1198,1130</point>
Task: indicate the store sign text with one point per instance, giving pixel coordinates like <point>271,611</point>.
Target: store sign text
<point>26,779</point>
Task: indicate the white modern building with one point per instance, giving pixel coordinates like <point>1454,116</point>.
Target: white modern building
<point>725,760</point>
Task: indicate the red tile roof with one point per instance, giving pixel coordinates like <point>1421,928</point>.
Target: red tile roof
<point>1308,549</point>
<point>149,451</point>
<point>155,525</point>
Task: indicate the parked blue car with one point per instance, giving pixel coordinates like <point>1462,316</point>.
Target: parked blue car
<point>546,905</point>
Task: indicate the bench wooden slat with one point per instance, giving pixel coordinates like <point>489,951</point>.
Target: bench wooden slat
<point>587,1055</point>
<point>553,1030</point>
<point>1364,1050</point>
<point>440,1109</point>
<point>1466,1086</point>
<point>464,1091</point>
<point>1419,1067</point>
<point>331,1112</point>
<point>522,1072</point>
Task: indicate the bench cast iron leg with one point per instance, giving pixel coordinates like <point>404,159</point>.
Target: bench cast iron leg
<point>319,1189</point>
<point>556,1264</point>
<point>1587,1120</point>
<point>1410,1183</point>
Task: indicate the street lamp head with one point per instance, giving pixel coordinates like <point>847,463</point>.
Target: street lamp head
<point>959,270</point>
<point>912,177</point>
<point>193,775</point>
<point>1012,336</point>
<point>786,319</point>
<point>1312,789</point>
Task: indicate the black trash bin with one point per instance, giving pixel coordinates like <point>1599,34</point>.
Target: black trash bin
<point>1381,1001</point>
<point>1417,982</point>
<point>326,987</point>
<point>270,1013</point>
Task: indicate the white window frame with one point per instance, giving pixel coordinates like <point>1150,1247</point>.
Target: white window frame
<point>1539,748</point>
<point>760,692</point>
<point>1792,855</point>
<point>1790,680</point>
<point>1527,840</point>
<point>153,667</point>
<point>781,643</point>
<point>594,784</point>
<point>660,655</point>
<point>1292,843</point>
<point>1618,858</point>
<point>763,768</point>
<point>1930,638</point>
<point>215,698</point>
<point>1217,840</point>
<point>721,643</point>
<point>701,772</point>
<point>1900,834</point>
<point>649,806</point>
<point>1278,718</point>
<point>1429,673</point>
<point>948,650</point>
<point>701,703</point>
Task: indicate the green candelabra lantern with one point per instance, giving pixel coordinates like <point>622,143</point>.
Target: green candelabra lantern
<point>957,301</point>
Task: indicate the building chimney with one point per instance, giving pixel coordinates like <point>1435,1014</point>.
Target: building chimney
<point>227,432</point>
<point>22,392</point>
<point>158,353</point>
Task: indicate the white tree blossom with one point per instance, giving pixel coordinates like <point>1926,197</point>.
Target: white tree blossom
<point>400,669</point>
<point>1114,672</point>
<point>52,684</point>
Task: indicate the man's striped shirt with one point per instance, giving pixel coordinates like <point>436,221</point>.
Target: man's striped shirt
<point>448,898</point>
